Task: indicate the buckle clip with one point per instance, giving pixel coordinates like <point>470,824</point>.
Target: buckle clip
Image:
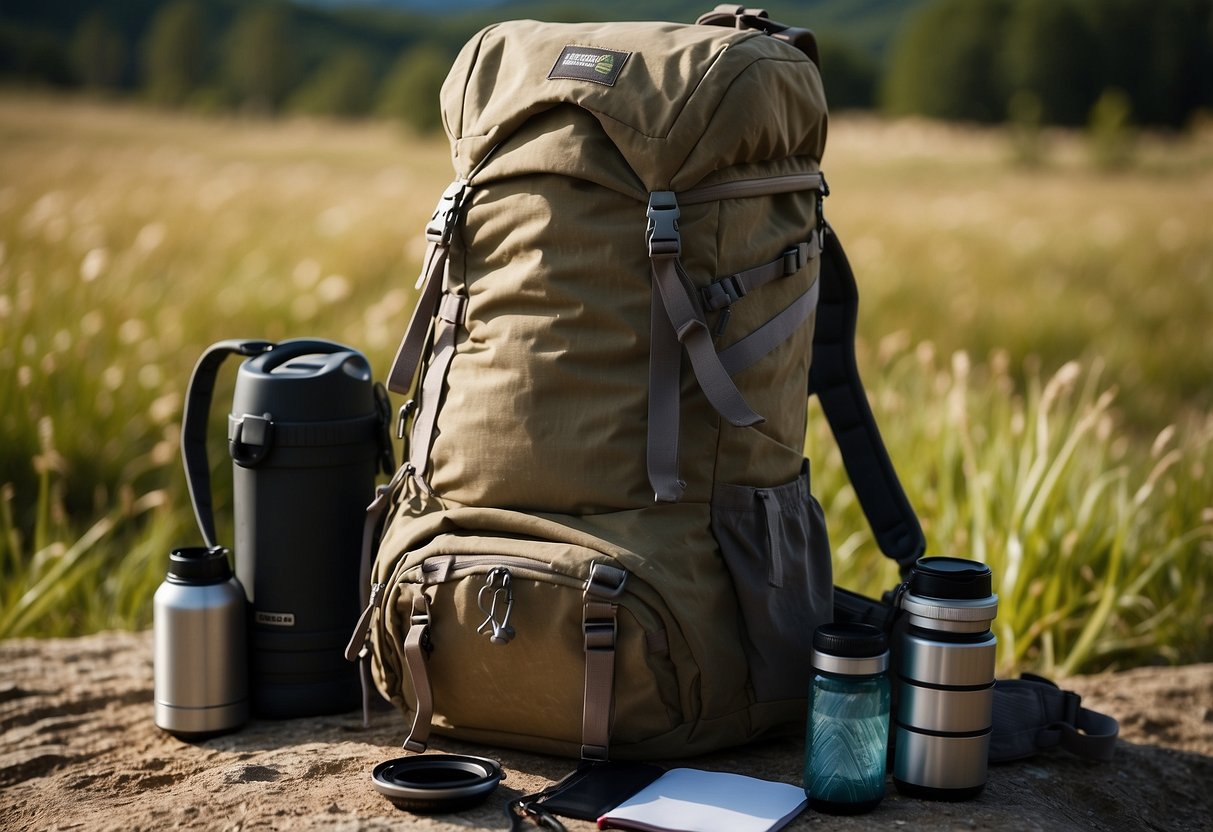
<point>441,226</point>
<point>662,233</point>
<point>606,582</point>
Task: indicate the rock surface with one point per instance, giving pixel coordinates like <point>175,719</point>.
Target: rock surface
<point>79,750</point>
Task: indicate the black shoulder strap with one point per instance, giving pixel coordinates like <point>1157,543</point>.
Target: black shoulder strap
<point>834,378</point>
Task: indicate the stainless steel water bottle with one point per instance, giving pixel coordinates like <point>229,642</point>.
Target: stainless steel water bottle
<point>945,687</point>
<point>846,748</point>
<point>200,665</point>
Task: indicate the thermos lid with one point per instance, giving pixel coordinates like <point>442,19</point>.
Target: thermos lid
<point>850,649</point>
<point>952,579</point>
<point>305,380</point>
<point>198,565</point>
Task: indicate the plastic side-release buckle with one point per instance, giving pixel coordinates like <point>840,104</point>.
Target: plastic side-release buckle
<point>441,226</point>
<point>250,438</point>
<point>662,233</point>
<point>606,582</point>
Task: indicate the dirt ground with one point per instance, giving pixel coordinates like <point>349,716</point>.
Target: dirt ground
<point>79,750</point>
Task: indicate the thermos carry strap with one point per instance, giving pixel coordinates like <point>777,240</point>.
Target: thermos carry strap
<point>194,422</point>
<point>197,409</point>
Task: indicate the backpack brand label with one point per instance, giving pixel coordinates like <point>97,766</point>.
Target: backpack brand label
<point>588,63</point>
<point>275,619</point>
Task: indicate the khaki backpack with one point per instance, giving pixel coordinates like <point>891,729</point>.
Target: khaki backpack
<point>603,539</point>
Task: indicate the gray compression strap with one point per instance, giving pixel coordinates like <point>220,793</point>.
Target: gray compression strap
<point>450,319</point>
<point>677,322</point>
<point>416,654</point>
<point>834,378</point>
<point>770,335</point>
<point>439,232</point>
<point>600,629</point>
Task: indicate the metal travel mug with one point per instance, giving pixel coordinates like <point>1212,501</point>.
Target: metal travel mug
<point>945,690</point>
<point>201,659</point>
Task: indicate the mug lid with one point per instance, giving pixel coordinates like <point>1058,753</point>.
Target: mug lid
<point>437,782</point>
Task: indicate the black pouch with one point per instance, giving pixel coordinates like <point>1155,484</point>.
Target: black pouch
<point>588,793</point>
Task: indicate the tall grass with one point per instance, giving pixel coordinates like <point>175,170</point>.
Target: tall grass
<point>1102,549</point>
<point>1071,452</point>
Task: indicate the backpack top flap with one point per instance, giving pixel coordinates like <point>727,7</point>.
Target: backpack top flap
<point>655,88</point>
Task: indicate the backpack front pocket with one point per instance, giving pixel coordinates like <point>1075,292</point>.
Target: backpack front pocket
<point>514,641</point>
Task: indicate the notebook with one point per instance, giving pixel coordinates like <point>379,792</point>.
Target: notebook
<point>690,800</point>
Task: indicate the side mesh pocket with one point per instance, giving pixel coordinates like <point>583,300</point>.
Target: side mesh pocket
<point>774,544</point>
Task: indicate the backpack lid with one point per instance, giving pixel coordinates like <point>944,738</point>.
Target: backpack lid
<point>655,89</point>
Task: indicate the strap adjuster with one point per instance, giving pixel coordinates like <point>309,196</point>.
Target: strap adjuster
<point>662,233</point>
<point>792,261</point>
<point>606,582</point>
<point>600,634</point>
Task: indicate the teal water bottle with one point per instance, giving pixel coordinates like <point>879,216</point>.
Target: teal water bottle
<point>848,730</point>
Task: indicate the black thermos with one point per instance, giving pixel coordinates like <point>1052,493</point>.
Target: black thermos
<point>307,436</point>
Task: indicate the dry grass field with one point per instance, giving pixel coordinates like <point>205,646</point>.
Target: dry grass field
<point>1035,341</point>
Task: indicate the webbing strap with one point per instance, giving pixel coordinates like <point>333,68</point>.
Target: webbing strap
<point>439,232</point>
<point>674,300</point>
<point>834,377</point>
<point>416,644</point>
<point>772,514</point>
<point>599,625</point>
<point>408,355</point>
<point>450,318</point>
<point>665,370</point>
<point>763,186</point>
<point>770,335</point>
<point>693,333</point>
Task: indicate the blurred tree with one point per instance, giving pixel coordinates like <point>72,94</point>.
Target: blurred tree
<point>343,86</point>
<point>1111,130</point>
<point>33,56</point>
<point>849,75</point>
<point>945,65</point>
<point>410,91</point>
<point>1024,110</point>
<point>1157,52</point>
<point>98,52</point>
<point>1049,52</point>
<point>261,63</point>
<point>175,52</point>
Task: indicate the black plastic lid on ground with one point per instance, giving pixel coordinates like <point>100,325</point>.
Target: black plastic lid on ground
<point>849,641</point>
<point>953,579</point>
<point>432,783</point>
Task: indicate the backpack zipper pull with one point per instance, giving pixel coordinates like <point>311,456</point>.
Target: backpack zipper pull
<point>498,584</point>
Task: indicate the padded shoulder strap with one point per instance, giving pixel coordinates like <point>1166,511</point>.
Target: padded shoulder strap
<point>834,377</point>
